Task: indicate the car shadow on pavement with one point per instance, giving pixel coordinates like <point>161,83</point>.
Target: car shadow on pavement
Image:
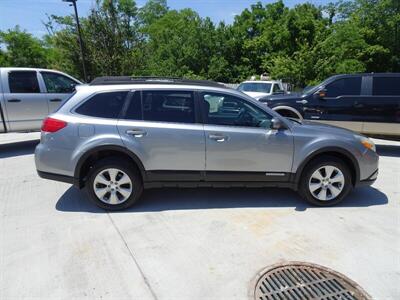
<point>388,150</point>
<point>166,199</point>
<point>18,148</point>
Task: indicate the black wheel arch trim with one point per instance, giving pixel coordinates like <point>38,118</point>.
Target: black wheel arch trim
<point>339,150</point>
<point>122,149</point>
<point>289,108</point>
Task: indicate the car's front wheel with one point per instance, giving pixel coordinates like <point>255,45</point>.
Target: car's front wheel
<point>326,181</point>
<point>113,184</point>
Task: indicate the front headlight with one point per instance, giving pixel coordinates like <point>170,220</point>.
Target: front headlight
<point>366,142</point>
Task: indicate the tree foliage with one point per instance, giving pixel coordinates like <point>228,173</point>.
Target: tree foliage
<point>22,49</point>
<point>301,44</point>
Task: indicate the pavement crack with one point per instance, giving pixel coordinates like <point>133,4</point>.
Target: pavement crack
<point>133,257</point>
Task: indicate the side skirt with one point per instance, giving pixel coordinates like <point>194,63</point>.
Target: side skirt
<point>217,184</point>
<point>191,179</point>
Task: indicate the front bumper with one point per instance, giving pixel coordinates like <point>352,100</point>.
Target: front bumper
<point>369,181</point>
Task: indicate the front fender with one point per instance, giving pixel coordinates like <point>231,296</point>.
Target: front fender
<point>304,155</point>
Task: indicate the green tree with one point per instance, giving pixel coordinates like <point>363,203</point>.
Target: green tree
<point>379,24</point>
<point>112,39</point>
<point>152,11</point>
<point>303,44</point>
<point>22,49</point>
<point>342,51</point>
<point>179,44</point>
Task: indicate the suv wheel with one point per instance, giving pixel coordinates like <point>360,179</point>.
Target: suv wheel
<point>326,181</point>
<point>113,184</point>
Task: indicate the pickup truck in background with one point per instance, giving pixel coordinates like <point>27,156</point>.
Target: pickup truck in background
<point>28,95</point>
<point>261,88</point>
<point>367,103</point>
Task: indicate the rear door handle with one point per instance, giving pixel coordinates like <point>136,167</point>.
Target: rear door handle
<point>217,137</point>
<point>14,100</point>
<point>136,132</point>
<point>55,100</point>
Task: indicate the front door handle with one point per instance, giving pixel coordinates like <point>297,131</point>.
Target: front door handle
<point>14,100</point>
<point>55,100</point>
<point>136,132</point>
<point>217,137</point>
<point>302,101</point>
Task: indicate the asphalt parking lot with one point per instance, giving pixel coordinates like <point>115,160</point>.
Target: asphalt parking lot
<point>187,243</point>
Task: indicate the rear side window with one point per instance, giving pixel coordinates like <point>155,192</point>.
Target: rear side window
<point>386,86</point>
<point>23,82</point>
<point>104,105</point>
<point>344,87</point>
<point>168,106</point>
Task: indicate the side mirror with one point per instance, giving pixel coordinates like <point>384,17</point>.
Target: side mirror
<point>72,88</point>
<point>320,94</point>
<point>277,124</point>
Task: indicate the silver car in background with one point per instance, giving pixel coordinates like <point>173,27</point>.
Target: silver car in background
<point>119,135</point>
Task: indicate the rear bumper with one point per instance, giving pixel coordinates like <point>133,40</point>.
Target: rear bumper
<point>57,177</point>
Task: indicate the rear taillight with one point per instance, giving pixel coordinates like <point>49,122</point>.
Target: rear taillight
<point>53,125</point>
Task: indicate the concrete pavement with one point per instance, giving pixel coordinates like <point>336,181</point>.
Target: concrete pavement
<point>187,243</point>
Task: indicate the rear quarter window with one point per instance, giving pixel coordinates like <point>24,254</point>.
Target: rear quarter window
<point>104,105</point>
<point>386,86</point>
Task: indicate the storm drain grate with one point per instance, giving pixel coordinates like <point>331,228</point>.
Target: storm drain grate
<point>298,281</point>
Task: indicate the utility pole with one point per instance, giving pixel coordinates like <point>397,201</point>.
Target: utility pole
<point>79,36</point>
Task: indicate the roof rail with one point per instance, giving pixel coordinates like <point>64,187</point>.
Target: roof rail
<point>111,80</point>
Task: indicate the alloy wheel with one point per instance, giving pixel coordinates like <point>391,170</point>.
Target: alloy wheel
<point>326,183</point>
<point>112,186</point>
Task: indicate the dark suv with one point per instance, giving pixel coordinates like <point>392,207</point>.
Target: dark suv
<point>366,103</point>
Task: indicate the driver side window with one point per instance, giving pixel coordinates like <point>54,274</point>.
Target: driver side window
<point>277,89</point>
<point>57,83</point>
<point>344,87</point>
<point>224,109</point>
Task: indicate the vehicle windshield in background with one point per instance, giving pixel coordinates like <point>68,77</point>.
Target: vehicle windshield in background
<point>308,88</point>
<point>260,87</point>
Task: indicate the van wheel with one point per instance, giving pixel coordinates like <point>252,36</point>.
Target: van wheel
<point>326,181</point>
<point>113,184</point>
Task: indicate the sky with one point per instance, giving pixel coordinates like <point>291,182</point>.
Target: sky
<point>30,14</point>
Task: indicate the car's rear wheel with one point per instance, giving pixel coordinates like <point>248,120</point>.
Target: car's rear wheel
<point>113,184</point>
<point>326,181</point>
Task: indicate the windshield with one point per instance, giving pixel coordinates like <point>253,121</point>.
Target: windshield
<point>260,87</point>
<point>312,88</point>
<point>308,88</point>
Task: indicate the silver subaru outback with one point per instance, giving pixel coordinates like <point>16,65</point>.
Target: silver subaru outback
<point>119,135</point>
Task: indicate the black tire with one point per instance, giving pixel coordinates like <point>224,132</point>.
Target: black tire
<point>120,164</point>
<point>316,164</point>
